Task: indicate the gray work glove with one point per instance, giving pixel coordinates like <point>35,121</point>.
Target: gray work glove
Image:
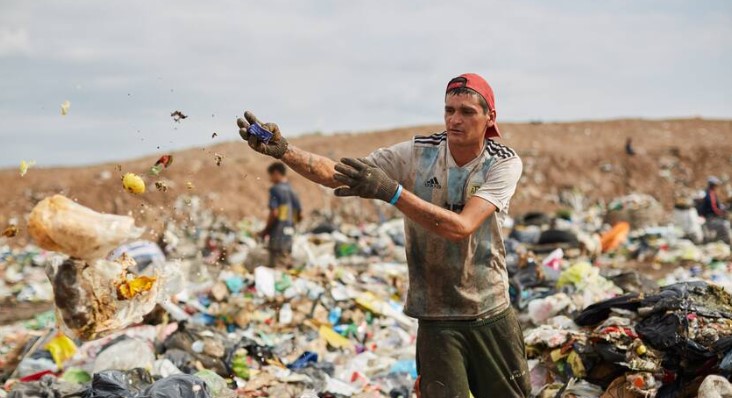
<point>362,178</point>
<point>276,147</point>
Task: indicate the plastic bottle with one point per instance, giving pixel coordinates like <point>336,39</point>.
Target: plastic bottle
<point>335,315</point>
<point>286,314</point>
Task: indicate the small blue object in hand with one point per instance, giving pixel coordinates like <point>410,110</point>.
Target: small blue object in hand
<point>260,132</point>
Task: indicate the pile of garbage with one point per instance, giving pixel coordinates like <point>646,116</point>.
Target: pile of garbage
<point>23,275</point>
<point>662,344</point>
<point>617,311</point>
<point>611,310</point>
<point>128,326</point>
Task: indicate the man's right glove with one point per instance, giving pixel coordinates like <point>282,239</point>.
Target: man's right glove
<point>277,145</point>
<point>364,179</point>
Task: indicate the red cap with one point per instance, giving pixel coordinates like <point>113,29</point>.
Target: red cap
<point>480,86</point>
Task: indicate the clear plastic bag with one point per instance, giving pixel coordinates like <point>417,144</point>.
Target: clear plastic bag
<point>59,224</point>
<point>89,299</point>
<point>94,300</point>
<point>125,355</point>
<point>93,296</point>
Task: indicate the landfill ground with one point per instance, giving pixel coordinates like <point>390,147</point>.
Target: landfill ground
<point>586,155</point>
<point>617,297</point>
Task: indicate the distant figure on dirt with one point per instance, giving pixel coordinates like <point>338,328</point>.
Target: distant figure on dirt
<point>629,147</point>
<point>714,212</point>
<point>284,213</point>
<point>453,188</point>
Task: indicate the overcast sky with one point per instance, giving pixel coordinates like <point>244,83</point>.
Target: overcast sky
<point>338,65</point>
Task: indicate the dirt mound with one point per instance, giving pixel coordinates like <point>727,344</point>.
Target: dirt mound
<point>587,156</point>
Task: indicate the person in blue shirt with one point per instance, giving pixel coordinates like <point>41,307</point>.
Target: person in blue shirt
<point>284,213</point>
<point>714,212</point>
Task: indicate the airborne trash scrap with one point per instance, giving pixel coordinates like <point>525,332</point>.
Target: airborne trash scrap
<point>178,116</point>
<point>133,183</point>
<point>162,163</point>
<point>10,231</point>
<point>24,166</point>
<point>65,107</point>
<point>161,186</point>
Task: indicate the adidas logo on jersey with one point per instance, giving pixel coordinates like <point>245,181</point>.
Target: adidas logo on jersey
<point>433,183</point>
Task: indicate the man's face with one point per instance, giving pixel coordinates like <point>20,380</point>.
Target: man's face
<point>465,120</point>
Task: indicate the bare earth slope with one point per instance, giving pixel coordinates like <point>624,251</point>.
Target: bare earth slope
<point>589,156</point>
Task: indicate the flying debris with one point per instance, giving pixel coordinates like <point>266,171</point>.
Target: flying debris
<point>178,116</point>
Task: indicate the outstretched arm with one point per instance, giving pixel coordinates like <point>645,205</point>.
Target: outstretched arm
<point>315,168</point>
<point>360,177</point>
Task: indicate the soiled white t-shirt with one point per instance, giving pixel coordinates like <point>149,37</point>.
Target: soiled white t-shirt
<point>448,280</point>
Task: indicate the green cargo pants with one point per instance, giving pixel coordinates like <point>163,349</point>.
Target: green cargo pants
<point>485,357</point>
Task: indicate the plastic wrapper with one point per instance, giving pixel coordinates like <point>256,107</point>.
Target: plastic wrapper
<point>59,224</point>
<point>216,384</point>
<point>581,389</point>
<point>715,386</point>
<point>93,300</point>
<point>62,349</point>
<point>613,238</point>
<point>164,368</point>
<point>125,355</point>
<point>542,309</point>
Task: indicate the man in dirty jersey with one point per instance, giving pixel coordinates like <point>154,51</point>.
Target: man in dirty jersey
<point>454,189</point>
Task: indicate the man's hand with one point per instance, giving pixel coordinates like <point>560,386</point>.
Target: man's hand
<point>276,147</point>
<point>364,179</point>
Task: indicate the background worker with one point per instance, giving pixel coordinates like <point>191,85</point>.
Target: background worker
<point>284,212</point>
<point>714,212</point>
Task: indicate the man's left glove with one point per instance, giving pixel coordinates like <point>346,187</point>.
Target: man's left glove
<point>362,178</point>
<point>276,147</point>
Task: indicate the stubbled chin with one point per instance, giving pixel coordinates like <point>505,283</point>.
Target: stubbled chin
<point>455,136</point>
<point>459,140</point>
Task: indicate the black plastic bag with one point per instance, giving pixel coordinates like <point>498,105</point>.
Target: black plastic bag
<point>558,236</point>
<point>699,297</point>
<point>118,384</point>
<point>599,312</point>
<point>137,383</point>
<point>662,331</point>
